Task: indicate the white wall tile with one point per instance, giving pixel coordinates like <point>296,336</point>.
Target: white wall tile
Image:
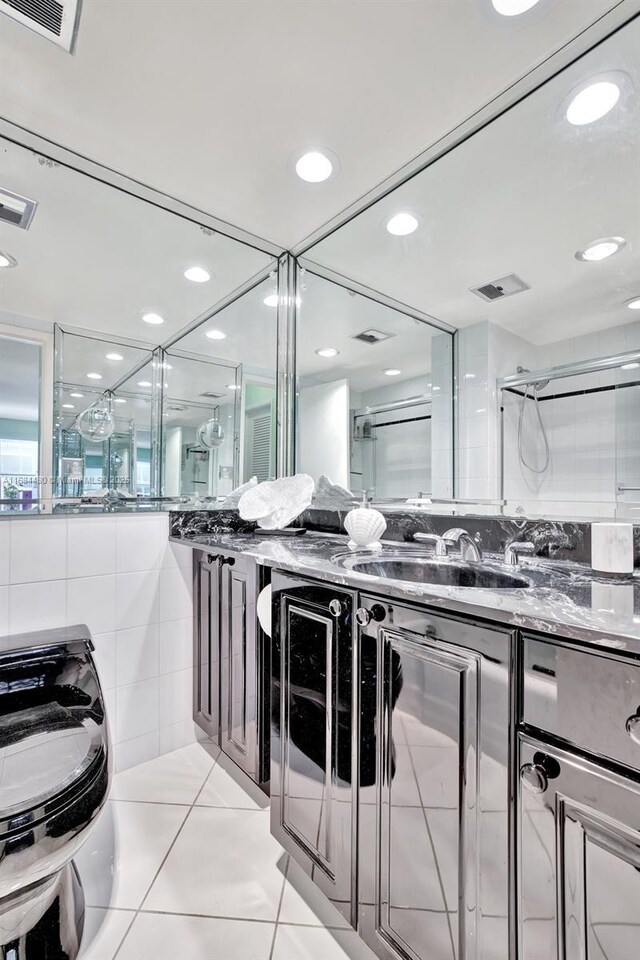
<point>105,657</point>
<point>176,591</point>
<point>5,540</point>
<point>180,735</point>
<point>137,654</point>
<point>91,546</point>
<point>37,606</point>
<point>92,600</point>
<point>137,598</point>
<point>4,611</point>
<point>140,546</point>
<point>177,555</point>
<point>137,750</point>
<point>176,697</point>
<point>38,550</point>
<point>176,645</point>
<point>136,709</point>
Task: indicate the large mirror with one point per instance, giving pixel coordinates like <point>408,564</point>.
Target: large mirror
<point>118,277</point>
<point>526,238</point>
<point>373,395</point>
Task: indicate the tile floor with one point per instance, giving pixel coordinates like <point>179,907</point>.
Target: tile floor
<point>182,866</point>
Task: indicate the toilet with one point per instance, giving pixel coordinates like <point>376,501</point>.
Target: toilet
<point>54,780</point>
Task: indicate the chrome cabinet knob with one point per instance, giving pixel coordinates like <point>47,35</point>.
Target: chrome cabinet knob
<point>633,727</point>
<point>211,558</point>
<point>336,607</point>
<point>534,777</point>
<point>364,616</point>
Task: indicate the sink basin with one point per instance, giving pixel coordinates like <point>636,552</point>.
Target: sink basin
<point>444,573</point>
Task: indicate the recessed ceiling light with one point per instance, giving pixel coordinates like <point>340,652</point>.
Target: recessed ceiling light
<point>511,8</point>
<point>593,102</point>
<point>402,224</point>
<point>314,167</point>
<point>328,352</point>
<point>119,400</point>
<point>630,366</point>
<point>215,335</point>
<point>94,376</point>
<point>233,386</point>
<point>70,406</point>
<point>271,300</point>
<point>153,318</point>
<point>144,383</point>
<point>7,261</point>
<point>113,356</point>
<point>633,304</point>
<point>197,274</point>
<point>601,249</point>
<point>392,371</point>
<point>78,396</point>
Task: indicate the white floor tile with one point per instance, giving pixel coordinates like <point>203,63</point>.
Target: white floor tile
<point>225,864</point>
<point>302,902</point>
<point>155,936</point>
<point>315,943</point>
<point>121,857</point>
<point>103,932</point>
<point>172,778</point>
<point>182,734</point>
<point>228,786</point>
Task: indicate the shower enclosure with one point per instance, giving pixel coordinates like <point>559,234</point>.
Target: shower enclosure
<point>572,433</point>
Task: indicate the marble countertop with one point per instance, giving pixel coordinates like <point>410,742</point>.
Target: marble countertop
<point>565,599</point>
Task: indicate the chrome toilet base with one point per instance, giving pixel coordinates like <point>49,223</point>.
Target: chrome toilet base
<point>45,921</point>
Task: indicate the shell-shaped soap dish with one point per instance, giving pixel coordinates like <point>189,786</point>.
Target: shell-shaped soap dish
<point>365,527</point>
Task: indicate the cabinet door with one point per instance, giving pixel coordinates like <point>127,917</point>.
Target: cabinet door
<point>206,660</point>
<point>312,761</point>
<point>238,664</point>
<point>434,793</point>
<point>578,858</point>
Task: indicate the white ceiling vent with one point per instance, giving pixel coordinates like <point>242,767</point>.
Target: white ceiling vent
<point>56,20</point>
<point>212,395</point>
<point>372,336</point>
<point>15,209</point>
<point>500,288</point>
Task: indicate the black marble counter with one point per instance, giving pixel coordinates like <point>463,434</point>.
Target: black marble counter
<point>564,599</point>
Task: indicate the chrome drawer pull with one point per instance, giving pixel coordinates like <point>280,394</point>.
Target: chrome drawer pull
<point>364,616</point>
<point>534,777</point>
<point>633,727</point>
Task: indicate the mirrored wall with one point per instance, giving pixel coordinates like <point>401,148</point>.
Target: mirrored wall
<point>374,388</point>
<point>121,278</point>
<point>525,238</point>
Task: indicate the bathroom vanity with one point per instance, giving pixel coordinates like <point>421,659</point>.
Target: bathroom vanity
<point>456,767</point>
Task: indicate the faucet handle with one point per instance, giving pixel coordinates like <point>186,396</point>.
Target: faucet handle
<point>513,552</point>
<point>438,542</point>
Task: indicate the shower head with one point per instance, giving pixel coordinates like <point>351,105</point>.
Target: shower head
<point>536,384</point>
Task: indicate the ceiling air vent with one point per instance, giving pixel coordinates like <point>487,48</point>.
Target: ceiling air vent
<point>372,336</point>
<point>212,395</point>
<point>15,209</point>
<point>500,288</point>
<point>56,20</point>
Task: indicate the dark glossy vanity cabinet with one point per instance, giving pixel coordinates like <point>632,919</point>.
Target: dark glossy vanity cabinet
<point>390,760</point>
<point>313,763</point>
<point>460,790</point>
<point>231,660</point>
<point>578,823</point>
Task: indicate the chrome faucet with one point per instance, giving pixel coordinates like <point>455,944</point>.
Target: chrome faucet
<point>513,551</point>
<point>470,548</point>
<point>439,544</point>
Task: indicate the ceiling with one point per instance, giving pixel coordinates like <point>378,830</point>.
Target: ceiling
<point>213,105</point>
<point>520,196</point>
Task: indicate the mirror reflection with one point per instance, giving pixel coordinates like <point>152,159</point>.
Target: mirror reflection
<point>21,364</point>
<point>524,240</point>
<point>373,395</point>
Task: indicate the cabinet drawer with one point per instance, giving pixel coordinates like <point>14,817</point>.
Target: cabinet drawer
<point>585,698</point>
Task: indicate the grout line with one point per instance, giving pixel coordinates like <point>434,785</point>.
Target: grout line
<point>275,927</point>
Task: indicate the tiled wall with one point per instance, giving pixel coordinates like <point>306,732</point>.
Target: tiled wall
<point>133,588</point>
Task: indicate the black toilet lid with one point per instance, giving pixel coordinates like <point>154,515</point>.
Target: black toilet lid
<point>43,750</point>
